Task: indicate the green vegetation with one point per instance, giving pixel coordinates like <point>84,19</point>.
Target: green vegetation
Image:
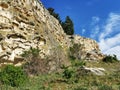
<point>67,26</point>
<point>105,87</point>
<point>81,88</point>
<point>74,51</point>
<point>13,76</point>
<point>110,59</point>
<point>56,15</point>
<point>34,64</point>
<point>33,52</point>
<point>76,81</point>
<point>72,77</point>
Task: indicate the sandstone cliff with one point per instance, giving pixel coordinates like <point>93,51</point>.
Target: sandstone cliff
<point>26,23</point>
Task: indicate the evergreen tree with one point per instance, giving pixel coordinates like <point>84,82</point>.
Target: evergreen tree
<point>51,10</point>
<point>56,15</point>
<point>68,26</point>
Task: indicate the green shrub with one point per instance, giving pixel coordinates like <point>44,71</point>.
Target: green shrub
<point>13,76</point>
<point>81,88</point>
<point>110,59</point>
<point>105,87</point>
<point>78,63</point>
<point>68,73</point>
<point>32,52</point>
<point>74,51</point>
<point>118,87</point>
<point>34,64</point>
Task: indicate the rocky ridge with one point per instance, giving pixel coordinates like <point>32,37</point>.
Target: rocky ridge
<point>89,49</point>
<point>26,24</point>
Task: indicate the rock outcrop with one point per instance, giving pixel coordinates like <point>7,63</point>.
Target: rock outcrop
<point>26,24</point>
<point>88,49</point>
<point>96,71</point>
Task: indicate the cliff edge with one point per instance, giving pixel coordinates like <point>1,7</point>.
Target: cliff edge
<point>26,24</point>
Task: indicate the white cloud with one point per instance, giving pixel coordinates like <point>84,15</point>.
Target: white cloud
<point>114,50</point>
<point>109,39</point>
<point>95,20</point>
<point>95,31</point>
<point>108,43</point>
<point>83,31</point>
<point>95,27</point>
<point>112,25</point>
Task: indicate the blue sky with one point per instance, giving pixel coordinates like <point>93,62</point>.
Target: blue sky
<point>96,19</point>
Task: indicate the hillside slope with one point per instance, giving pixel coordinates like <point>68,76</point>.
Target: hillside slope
<point>26,24</point>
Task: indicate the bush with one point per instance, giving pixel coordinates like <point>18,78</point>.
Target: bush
<point>13,76</point>
<point>68,73</point>
<point>78,63</point>
<point>105,87</point>
<point>74,51</point>
<point>81,88</point>
<point>34,64</point>
<point>32,52</point>
<point>110,59</point>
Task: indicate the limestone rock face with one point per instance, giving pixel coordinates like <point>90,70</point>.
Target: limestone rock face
<point>26,23</point>
<point>88,50</point>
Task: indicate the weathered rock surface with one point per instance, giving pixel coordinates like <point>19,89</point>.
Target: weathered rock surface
<point>96,71</point>
<point>88,50</point>
<point>26,23</point>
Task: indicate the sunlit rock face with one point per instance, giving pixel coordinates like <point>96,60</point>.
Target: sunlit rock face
<point>88,50</point>
<point>26,24</point>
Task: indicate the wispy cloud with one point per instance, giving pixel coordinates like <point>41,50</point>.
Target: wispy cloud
<point>95,31</point>
<point>108,43</point>
<point>83,31</point>
<point>114,50</point>
<point>95,20</point>
<point>109,39</point>
<point>112,25</point>
<point>95,27</point>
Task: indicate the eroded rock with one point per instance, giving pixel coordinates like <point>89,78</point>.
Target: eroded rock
<point>26,24</point>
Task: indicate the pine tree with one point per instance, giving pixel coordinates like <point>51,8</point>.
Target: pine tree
<point>54,14</point>
<point>68,26</point>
